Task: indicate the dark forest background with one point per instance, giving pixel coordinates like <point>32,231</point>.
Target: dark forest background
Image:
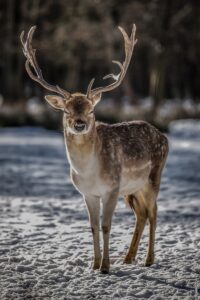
<point>77,40</point>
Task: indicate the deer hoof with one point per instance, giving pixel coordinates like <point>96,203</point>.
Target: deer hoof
<point>105,266</point>
<point>149,262</point>
<point>127,261</point>
<point>104,270</point>
<point>96,266</point>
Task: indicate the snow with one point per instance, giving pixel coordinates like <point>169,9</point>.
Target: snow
<point>45,238</point>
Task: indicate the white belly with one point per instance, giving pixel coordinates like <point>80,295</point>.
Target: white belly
<point>131,186</point>
<point>133,179</point>
<point>93,187</point>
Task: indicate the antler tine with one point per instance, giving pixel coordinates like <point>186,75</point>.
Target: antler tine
<point>129,44</point>
<point>90,87</point>
<point>31,60</point>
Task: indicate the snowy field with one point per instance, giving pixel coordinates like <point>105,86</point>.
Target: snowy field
<point>45,238</point>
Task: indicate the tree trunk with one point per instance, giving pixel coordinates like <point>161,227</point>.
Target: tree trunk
<point>157,80</point>
<point>129,90</point>
<point>8,79</point>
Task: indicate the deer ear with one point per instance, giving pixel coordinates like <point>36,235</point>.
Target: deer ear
<point>96,98</point>
<point>55,101</point>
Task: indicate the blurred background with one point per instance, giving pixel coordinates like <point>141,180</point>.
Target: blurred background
<point>77,40</point>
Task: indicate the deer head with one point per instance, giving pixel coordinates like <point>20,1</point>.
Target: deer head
<point>77,107</point>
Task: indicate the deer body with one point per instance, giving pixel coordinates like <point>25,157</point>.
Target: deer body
<point>131,162</point>
<point>108,161</point>
<point>122,160</point>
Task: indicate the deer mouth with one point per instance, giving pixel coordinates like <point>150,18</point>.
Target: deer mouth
<point>80,126</point>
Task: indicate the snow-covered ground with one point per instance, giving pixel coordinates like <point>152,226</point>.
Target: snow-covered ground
<point>45,239</point>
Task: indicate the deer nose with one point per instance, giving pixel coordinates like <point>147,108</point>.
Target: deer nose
<point>79,125</point>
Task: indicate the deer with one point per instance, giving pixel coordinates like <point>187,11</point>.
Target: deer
<point>108,161</point>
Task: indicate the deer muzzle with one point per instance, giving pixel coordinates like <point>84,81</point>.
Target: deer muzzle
<point>80,125</point>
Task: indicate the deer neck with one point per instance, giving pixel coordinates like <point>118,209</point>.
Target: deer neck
<point>81,150</point>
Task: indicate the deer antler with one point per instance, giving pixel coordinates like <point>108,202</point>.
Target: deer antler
<point>31,61</point>
<point>129,46</point>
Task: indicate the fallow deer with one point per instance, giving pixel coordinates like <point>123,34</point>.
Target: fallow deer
<point>108,161</point>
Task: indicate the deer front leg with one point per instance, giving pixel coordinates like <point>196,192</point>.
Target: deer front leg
<point>93,206</point>
<point>109,204</point>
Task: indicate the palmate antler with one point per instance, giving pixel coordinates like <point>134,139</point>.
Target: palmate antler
<point>129,46</point>
<point>31,61</point>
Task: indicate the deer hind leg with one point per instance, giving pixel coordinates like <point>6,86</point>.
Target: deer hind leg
<point>152,215</point>
<point>136,202</point>
<point>143,203</point>
<point>150,194</point>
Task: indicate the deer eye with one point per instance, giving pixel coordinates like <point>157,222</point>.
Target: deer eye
<point>91,112</point>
